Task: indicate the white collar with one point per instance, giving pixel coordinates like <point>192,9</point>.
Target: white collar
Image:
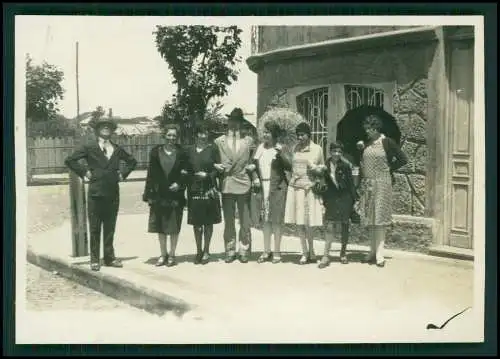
<point>104,142</point>
<point>381,137</point>
<point>261,149</point>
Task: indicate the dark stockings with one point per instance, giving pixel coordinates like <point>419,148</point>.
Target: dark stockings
<point>198,237</point>
<point>344,238</point>
<point>208,230</point>
<point>200,233</point>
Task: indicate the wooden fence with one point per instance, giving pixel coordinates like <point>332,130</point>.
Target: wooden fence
<point>47,155</point>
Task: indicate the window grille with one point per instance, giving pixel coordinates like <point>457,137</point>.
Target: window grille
<point>313,105</point>
<point>356,96</point>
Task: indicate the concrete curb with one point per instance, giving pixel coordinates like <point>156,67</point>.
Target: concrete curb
<point>138,296</point>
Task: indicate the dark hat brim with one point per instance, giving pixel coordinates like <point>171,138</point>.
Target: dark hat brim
<point>236,118</point>
<point>95,125</point>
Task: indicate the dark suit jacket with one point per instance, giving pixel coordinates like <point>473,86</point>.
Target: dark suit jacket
<point>396,158</point>
<point>339,198</point>
<point>156,190</point>
<point>343,177</point>
<point>105,173</point>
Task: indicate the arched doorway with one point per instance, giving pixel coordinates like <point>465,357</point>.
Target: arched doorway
<point>362,101</point>
<point>350,128</point>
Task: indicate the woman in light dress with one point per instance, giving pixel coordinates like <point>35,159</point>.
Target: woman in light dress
<point>270,165</point>
<point>303,206</point>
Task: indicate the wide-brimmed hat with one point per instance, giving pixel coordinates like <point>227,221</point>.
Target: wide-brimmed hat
<point>236,115</point>
<point>96,123</point>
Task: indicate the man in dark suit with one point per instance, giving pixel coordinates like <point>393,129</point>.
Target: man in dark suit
<point>103,174</point>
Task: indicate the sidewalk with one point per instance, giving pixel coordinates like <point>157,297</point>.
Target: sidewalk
<point>63,178</point>
<point>411,291</point>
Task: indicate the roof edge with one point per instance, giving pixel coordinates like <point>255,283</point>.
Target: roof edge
<point>390,38</point>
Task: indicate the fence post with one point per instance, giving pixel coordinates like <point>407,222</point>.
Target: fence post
<point>30,142</point>
<point>78,207</point>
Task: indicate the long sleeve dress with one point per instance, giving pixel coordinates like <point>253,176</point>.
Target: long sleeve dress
<point>166,206</point>
<point>204,206</point>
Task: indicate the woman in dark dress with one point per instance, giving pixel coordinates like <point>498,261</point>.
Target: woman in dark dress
<point>338,199</point>
<point>164,191</point>
<point>204,209</point>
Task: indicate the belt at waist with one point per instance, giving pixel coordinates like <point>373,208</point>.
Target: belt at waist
<point>265,179</point>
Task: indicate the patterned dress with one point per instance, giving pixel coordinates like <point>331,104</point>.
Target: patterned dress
<point>375,205</point>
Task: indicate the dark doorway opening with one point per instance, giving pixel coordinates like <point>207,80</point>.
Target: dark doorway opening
<point>350,129</point>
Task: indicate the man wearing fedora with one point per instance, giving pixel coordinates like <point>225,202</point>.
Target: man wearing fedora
<point>235,153</point>
<point>102,172</point>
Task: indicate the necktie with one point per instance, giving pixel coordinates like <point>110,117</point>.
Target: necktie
<point>104,149</point>
<point>234,141</point>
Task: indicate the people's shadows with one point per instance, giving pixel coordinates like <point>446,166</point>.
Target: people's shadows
<point>286,257</point>
<point>353,256</point>
<point>101,261</point>
<point>188,258</point>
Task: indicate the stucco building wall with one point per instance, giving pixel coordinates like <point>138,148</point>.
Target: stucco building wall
<point>406,68</point>
<point>425,75</point>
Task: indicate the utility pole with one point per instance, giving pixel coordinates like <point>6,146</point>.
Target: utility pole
<point>77,193</point>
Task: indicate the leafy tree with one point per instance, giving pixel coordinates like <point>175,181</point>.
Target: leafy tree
<point>202,60</point>
<point>43,90</point>
<point>98,113</point>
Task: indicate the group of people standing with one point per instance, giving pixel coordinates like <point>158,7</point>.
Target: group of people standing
<point>294,186</point>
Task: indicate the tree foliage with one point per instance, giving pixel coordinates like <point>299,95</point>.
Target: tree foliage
<point>43,90</point>
<point>98,113</point>
<point>202,60</point>
<point>171,113</point>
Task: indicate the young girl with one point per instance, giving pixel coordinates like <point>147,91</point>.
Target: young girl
<point>338,199</point>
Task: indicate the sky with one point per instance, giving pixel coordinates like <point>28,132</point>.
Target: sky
<point>119,65</point>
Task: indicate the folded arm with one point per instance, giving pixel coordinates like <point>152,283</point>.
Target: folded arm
<point>399,158</point>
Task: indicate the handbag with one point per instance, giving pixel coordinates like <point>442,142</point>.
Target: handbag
<point>355,217</point>
<point>319,187</point>
<point>212,193</point>
<point>256,208</point>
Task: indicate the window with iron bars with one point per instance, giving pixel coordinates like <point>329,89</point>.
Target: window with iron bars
<point>313,105</point>
<point>356,96</point>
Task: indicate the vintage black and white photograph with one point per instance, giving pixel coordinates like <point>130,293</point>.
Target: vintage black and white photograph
<point>249,179</point>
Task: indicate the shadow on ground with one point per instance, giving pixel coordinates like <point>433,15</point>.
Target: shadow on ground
<point>123,259</point>
<point>286,257</point>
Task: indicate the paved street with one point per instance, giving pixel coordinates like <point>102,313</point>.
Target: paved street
<point>49,291</point>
